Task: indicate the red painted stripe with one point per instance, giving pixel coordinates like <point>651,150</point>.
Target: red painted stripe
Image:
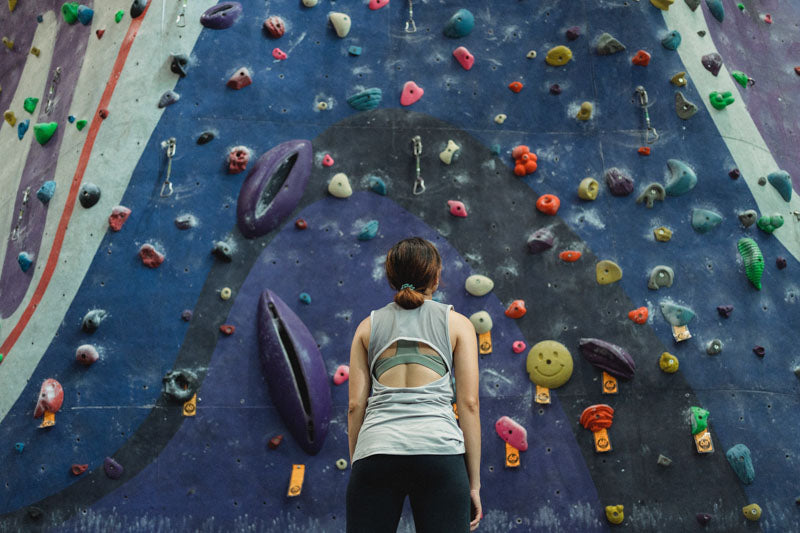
<point>91,136</point>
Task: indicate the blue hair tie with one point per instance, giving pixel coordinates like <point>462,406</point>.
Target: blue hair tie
<point>407,286</point>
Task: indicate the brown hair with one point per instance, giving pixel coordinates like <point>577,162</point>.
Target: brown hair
<point>416,262</point>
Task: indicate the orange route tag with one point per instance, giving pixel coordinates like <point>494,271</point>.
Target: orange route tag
<point>512,456</point>
<point>190,406</point>
<point>49,420</point>
<point>296,481</point>
<point>681,333</point>
<point>485,343</point>
<point>601,441</point>
<point>542,394</point>
<point>703,443</point>
<point>609,384</point>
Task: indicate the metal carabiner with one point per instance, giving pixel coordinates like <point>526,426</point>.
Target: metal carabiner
<point>169,144</point>
<point>411,27</point>
<point>419,183</point>
<point>650,134</point>
<point>52,92</point>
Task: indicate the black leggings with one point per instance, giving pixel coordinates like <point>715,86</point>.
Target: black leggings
<point>437,486</point>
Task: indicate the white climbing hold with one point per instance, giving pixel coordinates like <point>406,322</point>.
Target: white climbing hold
<point>500,118</point>
<point>340,186</point>
<point>531,54</point>
<point>341,23</point>
<point>478,285</point>
<point>310,3</point>
<point>482,322</point>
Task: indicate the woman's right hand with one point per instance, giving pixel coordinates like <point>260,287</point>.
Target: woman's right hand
<point>477,511</point>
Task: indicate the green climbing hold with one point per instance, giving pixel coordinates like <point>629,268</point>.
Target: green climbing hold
<point>753,260</point>
<point>80,124</point>
<point>770,224</point>
<point>30,104</point>
<point>699,419</point>
<point>740,6</point>
<point>721,100</point>
<point>70,12</point>
<point>743,79</point>
<point>44,131</point>
<point>118,16</point>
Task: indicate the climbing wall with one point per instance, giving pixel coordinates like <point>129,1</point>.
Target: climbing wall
<point>197,199</point>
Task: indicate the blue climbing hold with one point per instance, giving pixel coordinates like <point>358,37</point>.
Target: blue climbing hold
<point>85,15</point>
<point>19,446</point>
<point>704,220</point>
<point>672,41</point>
<point>460,24</point>
<point>676,314</point>
<point>716,8</point>
<point>71,119</point>
<point>22,128</point>
<point>742,463</point>
<point>354,50</point>
<point>25,261</point>
<point>683,178</point>
<point>39,19</point>
<point>366,99</point>
<point>783,182</point>
<point>305,298</point>
<point>377,185</point>
<point>46,191</point>
<point>369,231</point>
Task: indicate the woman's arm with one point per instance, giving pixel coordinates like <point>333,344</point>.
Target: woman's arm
<point>465,364</point>
<point>359,383</point>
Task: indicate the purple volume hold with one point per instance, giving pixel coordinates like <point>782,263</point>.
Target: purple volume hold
<point>609,357</point>
<point>221,16</point>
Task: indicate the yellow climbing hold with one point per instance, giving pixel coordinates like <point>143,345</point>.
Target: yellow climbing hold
<point>662,234</point>
<point>558,56</point>
<point>752,512</point>
<point>12,4</point>
<point>225,293</point>
<point>615,513</point>
<point>678,79</point>
<point>500,118</point>
<point>607,272</point>
<point>10,117</point>
<point>662,4</point>
<point>35,51</point>
<point>8,42</point>
<point>585,112</point>
<point>588,189</point>
<point>668,363</point>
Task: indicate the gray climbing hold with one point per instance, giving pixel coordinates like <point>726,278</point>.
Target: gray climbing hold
<point>366,99</point>
<point>369,231</point>
<point>137,8</point>
<point>712,62</point>
<point>693,4</point>
<point>541,240</point>
<point>654,192</point>
<point>180,385</point>
<point>88,195</point>
<point>482,322</point>
<point>92,320</point>
<point>742,463</point>
<point>179,64</point>
<point>676,314</point>
<point>185,221</point>
<point>672,40</point>
<point>748,218</point>
<point>704,220</point>
<point>607,45</point>
<point>222,250</point>
<point>714,347</point>
<point>682,179</point>
<point>716,8</point>
<point>618,183</point>
<point>478,285</point>
<point>683,107</point>
<point>782,182</point>
<point>168,98</point>
<point>660,276</point>
<point>663,460</point>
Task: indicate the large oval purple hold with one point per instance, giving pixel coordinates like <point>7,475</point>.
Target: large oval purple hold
<point>221,16</point>
<point>295,372</point>
<point>619,183</point>
<point>273,188</point>
<point>112,468</point>
<point>541,240</point>
<point>609,357</point>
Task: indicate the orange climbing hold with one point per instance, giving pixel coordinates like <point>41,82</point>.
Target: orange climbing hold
<point>569,256</point>
<point>227,329</point>
<point>597,417</point>
<point>644,150</point>
<point>639,315</point>
<point>548,204</point>
<point>515,86</point>
<point>524,160</point>
<point>516,309</point>
<point>641,58</point>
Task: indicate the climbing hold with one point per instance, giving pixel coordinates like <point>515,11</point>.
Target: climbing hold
<point>573,33</point>
<point>558,56</point>
<point>607,272</point>
<point>44,131</point>
<point>531,54</point>
<point>137,8</point>
<point>46,191</point>
<point>698,417</point>
<point>327,160</point>
<point>221,16</point>
<point>704,220</point>
<point>340,22</point>
<point>743,79</point>
<point>541,240</point>
<point>676,314</point>
<point>8,42</point>
<point>782,182</point>
<point>682,180</point>
<point>716,8</point>
<point>35,51</point>
<point>275,27</point>
<point>588,189</point>
<point>643,150</point>
<point>516,309</point>
<point>78,469</point>
<point>81,124</point>
<point>25,261</point>
<point>185,221</point>
<point>89,194</point>
<point>150,256</point>
<point>548,204</point>
<point>205,137</point>
<point>168,98</point>
<point>225,293</point>
<point>608,357</point>
<point>464,57</point>
<point>753,260</point>
<point>585,111</point>
<point>112,468</point>
<point>515,86</point>
<point>179,64</point>
<point>725,310</point>
<point>668,363</point>
<point>300,224</point>
<point>279,54</point>
<point>310,3</point>
<point>119,14</point>
<point>30,104</point>
<point>702,518</point>
<point>721,100</point>
<point>769,224</point>
<point>712,62</point>
<point>615,513</point>
<point>103,113</point>
<point>478,285</point>
<point>86,354</point>
<point>639,315</point>
<point>92,320</point>
<point>660,276</point>
<point>238,157</point>
<point>366,99</point>
<point>186,315</point>
<point>607,45</point>
<point>678,79</point>
<point>377,4</point>
<point>663,460</point>
<point>512,432</point>
<point>768,18</point>
<point>223,251</point>
<point>457,208</point>
<point>495,149</point>
<point>377,185</point>
<point>780,262</point>
<point>460,24</point>
<point>555,89</point>
<point>354,50</point>
<point>241,78</point>
<point>662,234</point>
<point>69,10</point>
<point>714,347</point>
<point>51,396</point>
<point>748,218</point>
<point>753,511</point>
<point>339,186</point>
<point>759,351</point>
<point>618,183</point>
<point>85,15</point>
<point>341,463</point>
<point>500,118</point>
<point>11,5</point>
<point>100,33</point>
<point>662,4</point>
<point>693,4</point>
<point>641,58</point>
<point>482,322</point>
<point>369,231</point>
<point>22,128</point>
<point>672,40</point>
<point>518,346</point>
<point>227,329</point>
<point>652,193</point>
<point>597,417</point>
<point>549,364</point>
<point>525,161</point>
<point>569,256</point>
<point>450,153</point>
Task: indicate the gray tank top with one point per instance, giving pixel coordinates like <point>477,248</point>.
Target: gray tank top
<point>410,420</point>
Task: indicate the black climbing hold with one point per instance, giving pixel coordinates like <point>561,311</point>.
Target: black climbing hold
<point>222,250</point>
<point>137,8</point>
<point>92,320</point>
<point>703,518</point>
<point>180,385</point>
<point>179,64</point>
<point>205,137</point>
<point>555,89</point>
<point>734,174</point>
<point>724,310</point>
<point>701,33</point>
<point>89,194</point>
<point>35,513</point>
<point>780,262</point>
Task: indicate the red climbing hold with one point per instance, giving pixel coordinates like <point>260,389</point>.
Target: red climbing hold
<point>103,113</point>
<point>797,70</point>
<point>227,329</point>
<point>275,27</point>
<point>548,204</point>
<point>51,396</point>
<point>275,441</point>
<point>341,374</point>
<point>641,58</point>
<point>118,217</point>
<point>377,4</point>
<point>516,309</point>
<point>639,315</point>
<point>150,256</point>
<point>597,417</point>
<point>524,160</point>
<point>238,158</point>
<point>279,54</point>
<point>464,57</point>
<point>518,346</point>
<point>569,256</point>
<point>240,79</point>
<point>644,150</point>
<point>768,18</point>
<point>515,86</point>
<point>327,161</point>
<point>411,93</point>
<point>77,469</point>
<point>100,33</point>
<point>457,208</point>
<point>300,224</point>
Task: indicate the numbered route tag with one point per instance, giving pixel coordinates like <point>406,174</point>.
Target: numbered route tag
<point>296,481</point>
<point>49,420</point>
<point>703,443</point>
<point>609,384</point>
<point>190,406</point>
<point>542,395</point>
<point>681,333</point>
<point>512,456</point>
<point>601,441</point>
<point>485,343</point>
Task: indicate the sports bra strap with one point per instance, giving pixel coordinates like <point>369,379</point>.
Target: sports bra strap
<point>408,352</point>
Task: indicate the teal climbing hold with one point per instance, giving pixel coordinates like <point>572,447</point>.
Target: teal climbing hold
<point>46,191</point>
<point>742,463</point>
<point>682,180</point>
<point>369,231</point>
<point>495,149</point>
<point>305,298</point>
<point>742,78</point>
<point>704,220</point>
<point>770,224</point>
<point>717,9</point>
<point>25,261</point>
<point>44,131</point>
<point>672,41</point>
<point>22,128</point>
<point>699,419</point>
<point>676,314</point>
<point>85,15</point>
<point>19,446</point>
<point>721,100</point>
<point>377,185</point>
<point>30,104</point>
<point>354,50</point>
<point>70,12</point>
<point>366,99</point>
<point>460,24</point>
<point>753,260</point>
<point>783,182</point>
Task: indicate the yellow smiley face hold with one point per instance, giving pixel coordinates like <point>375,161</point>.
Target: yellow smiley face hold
<point>549,364</point>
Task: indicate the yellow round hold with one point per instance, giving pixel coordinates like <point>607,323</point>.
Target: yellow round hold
<point>558,56</point>
<point>225,293</point>
<point>549,364</point>
<point>588,189</point>
<point>615,513</point>
<point>668,363</point>
<point>585,112</point>
<point>752,512</point>
<point>607,272</point>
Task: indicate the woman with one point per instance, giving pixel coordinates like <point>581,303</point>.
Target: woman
<point>404,437</point>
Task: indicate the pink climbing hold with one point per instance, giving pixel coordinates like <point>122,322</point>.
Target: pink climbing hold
<point>511,432</point>
<point>411,93</point>
<point>518,346</point>
<point>768,18</point>
<point>150,256</point>
<point>51,396</point>
<point>86,354</point>
<point>275,27</point>
<point>341,374</point>
<point>238,158</point>
<point>327,161</point>
<point>279,54</point>
<point>118,217</point>
<point>464,58</point>
<point>457,208</point>
<point>240,79</point>
<point>377,4</point>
